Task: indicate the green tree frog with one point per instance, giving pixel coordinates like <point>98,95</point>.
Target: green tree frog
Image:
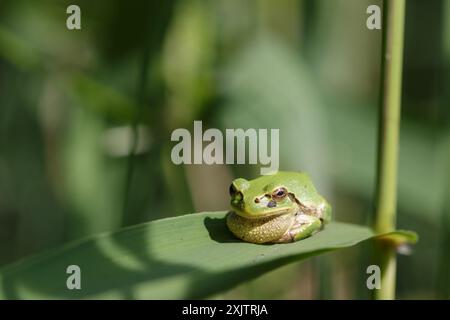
<point>279,208</point>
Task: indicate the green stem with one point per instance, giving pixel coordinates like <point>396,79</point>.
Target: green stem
<point>388,140</point>
<point>140,100</point>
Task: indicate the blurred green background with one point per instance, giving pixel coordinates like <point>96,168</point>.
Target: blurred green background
<point>74,102</point>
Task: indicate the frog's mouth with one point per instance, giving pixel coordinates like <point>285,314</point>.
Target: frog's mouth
<point>272,213</point>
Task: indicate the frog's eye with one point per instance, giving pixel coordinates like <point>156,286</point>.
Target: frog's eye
<point>279,193</point>
<point>235,193</point>
<point>232,190</point>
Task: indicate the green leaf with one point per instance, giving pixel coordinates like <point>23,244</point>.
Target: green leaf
<point>400,237</point>
<point>190,256</point>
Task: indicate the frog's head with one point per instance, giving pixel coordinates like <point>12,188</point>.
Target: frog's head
<point>261,197</point>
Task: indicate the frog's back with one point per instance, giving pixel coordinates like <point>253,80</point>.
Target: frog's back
<point>301,185</point>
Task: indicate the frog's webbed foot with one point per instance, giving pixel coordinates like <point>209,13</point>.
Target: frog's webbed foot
<point>303,227</point>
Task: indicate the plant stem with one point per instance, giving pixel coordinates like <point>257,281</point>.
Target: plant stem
<point>140,100</point>
<point>388,140</point>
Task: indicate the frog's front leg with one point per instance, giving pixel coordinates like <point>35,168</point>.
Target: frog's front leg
<point>302,227</point>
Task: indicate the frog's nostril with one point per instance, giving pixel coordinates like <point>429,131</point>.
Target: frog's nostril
<point>256,200</point>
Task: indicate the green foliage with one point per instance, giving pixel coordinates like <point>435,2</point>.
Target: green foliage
<point>190,256</point>
<point>308,67</point>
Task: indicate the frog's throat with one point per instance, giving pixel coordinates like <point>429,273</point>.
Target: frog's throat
<point>273,213</point>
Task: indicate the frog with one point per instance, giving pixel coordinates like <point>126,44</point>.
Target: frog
<point>280,208</point>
